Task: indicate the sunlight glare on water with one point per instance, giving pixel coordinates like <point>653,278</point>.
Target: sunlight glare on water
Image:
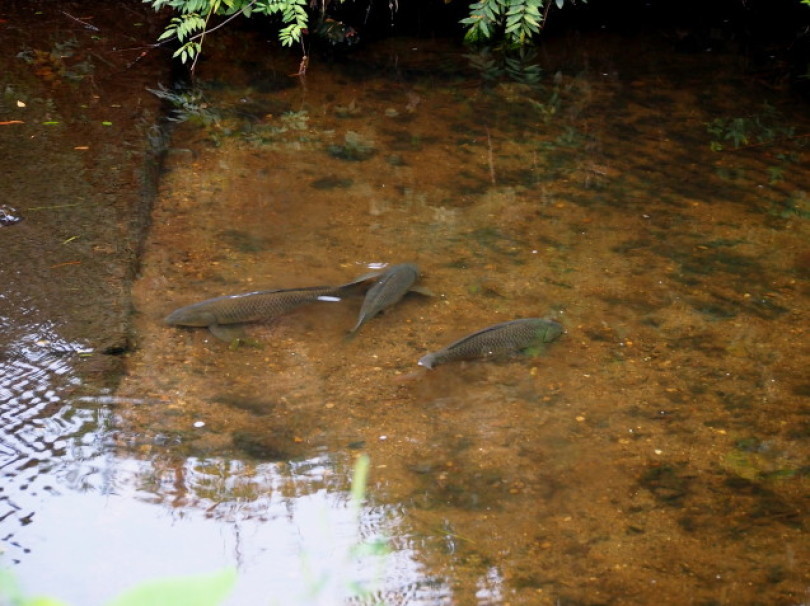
<point>287,528</point>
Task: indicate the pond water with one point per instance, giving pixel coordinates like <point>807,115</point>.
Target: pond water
<point>657,451</point>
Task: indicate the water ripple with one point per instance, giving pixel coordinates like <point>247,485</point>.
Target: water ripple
<point>37,427</point>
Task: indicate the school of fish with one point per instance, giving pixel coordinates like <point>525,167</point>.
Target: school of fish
<point>224,316</point>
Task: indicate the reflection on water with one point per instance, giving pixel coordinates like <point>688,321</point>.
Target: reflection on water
<point>68,498</point>
<point>36,439</point>
<point>657,449</point>
<point>289,528</point>
<point>33,371</point>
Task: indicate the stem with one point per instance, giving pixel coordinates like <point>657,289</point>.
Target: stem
<point>545,14</point>
<point>84,23</point>
<point>202,39</point>
<point>224,23</point>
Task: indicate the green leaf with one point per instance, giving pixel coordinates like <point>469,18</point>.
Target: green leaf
<point>11,594</point>
<point>534,23</point>
<point>359,478</point>
<point>198,590</point>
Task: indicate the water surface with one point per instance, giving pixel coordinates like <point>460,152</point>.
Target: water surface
<point>655,452</point>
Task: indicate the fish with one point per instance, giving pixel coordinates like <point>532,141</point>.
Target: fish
<point>221,314</point>
<point>506,338</point>
<point>390,286</point>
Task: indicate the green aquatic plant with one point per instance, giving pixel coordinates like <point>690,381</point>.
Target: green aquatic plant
<point>767,127</point>
<point>58,63</point>
<point>796,205</point>
<point>294,120</point>
<point>757,460</point>
<point>188,105</point>
<point>292,127</point>
<point>775,174</point>
<point>762,128</point>
<point>519,65</point>
<point>355,148</point>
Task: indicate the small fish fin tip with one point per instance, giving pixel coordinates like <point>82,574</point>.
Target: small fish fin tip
<point>227,333</point>
<point>422,290</point>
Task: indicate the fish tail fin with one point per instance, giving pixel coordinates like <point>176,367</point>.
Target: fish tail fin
<point>356,327</point>
<point>427,361</point>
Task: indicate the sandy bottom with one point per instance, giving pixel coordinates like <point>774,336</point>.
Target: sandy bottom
<point>655,453</point>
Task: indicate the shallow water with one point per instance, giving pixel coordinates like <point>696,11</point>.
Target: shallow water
<point>655,452</point>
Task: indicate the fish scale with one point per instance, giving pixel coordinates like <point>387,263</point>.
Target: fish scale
<point>249,307</point>
<point>501,339</point>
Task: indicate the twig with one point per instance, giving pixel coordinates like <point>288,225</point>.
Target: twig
<point>202,39</point>
<point>150,47</point>
<point>490,158</point>
<point>52,207</point>
<point>206,31</point>
<point>771,142</point>
<point>77,20</point>
<point>545,15</point>
<point>66,263</point>
<point>302,67</point>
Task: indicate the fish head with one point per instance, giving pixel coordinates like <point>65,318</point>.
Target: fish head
<point>412,268</point>
<point>550,330</point>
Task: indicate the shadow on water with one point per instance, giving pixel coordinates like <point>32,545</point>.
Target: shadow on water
<point>657,449</point>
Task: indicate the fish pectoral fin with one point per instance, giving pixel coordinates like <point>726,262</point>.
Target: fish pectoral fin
<point>533,350</point>
<point>539,348</point>
<point>372,275</point>
<point>359,283</point>
<point>422,290</point>
<point>228,332</point>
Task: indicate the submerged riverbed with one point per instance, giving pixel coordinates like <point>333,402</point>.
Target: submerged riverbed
<point>655,452</point>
